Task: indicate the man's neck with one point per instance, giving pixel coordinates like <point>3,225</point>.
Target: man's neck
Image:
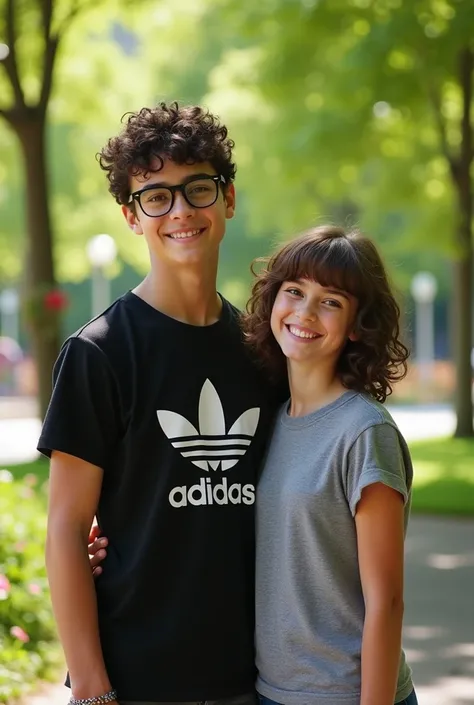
<point>187,296</point>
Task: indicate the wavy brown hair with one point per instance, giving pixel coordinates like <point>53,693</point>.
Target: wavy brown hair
<point>350,262</point>
<point>186,135</point>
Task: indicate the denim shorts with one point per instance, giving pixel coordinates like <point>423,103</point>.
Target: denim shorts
<point>411,700</point>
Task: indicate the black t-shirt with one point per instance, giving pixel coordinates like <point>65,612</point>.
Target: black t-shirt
<point>178,417</point>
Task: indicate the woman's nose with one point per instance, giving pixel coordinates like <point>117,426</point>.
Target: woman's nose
<point>306,313</point>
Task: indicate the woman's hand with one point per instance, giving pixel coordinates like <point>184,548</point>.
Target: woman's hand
<point>96,550</point>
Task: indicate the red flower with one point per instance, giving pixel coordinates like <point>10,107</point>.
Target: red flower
<point>55,300</point>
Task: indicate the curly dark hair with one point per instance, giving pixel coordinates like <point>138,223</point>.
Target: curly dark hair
<point>186,135</point>
<point>349,261</point>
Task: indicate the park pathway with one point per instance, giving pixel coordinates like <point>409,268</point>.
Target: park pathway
<point>439,613</point>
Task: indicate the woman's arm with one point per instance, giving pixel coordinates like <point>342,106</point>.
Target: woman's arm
<point>74,490</point>
<point>380,543</point>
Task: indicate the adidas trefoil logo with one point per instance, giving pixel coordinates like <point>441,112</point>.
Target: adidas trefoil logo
<point>210,446</point>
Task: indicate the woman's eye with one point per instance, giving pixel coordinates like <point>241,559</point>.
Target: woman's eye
<point>333,303</point>
<point>295,292</point>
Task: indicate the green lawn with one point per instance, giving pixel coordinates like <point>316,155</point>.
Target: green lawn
<point>444,475</point>
<point>39,467</point>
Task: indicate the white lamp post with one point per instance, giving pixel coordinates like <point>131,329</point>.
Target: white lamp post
<point>9,307</point>
<point>101,251</point>
<point>423,289</point>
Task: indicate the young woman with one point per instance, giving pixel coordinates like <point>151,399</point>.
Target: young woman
<point>334,495</point>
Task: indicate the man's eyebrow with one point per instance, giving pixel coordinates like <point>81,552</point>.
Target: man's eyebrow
<point>167,184</point>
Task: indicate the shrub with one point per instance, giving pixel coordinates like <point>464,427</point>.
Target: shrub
<point>28,645</point>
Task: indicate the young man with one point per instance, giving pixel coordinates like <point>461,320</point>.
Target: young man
<point>157,426</point>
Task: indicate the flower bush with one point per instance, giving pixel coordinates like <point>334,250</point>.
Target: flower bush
<point>28,644</point>
<point>44,306</point>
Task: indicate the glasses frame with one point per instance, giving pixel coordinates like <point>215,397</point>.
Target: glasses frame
<point>136,195</point>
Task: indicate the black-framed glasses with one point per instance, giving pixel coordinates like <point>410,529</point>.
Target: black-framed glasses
<point>199,192</point>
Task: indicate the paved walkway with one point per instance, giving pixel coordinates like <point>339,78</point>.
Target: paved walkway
<point>439,609</point>
<point>439,613</point>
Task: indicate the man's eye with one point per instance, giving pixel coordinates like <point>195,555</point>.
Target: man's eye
<point>199,189</point>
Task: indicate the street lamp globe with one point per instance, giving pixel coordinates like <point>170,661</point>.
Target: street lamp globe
<point>101,250</point>
<point>424,287</point>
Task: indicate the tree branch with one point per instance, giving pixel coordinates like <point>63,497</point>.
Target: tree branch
<point>50,49</point>
<point>466,69</point>
<point>435,100</point>
<point>10,62</point>
<point>51,44</point>
<point>75,10</point>
<point>434,96</point>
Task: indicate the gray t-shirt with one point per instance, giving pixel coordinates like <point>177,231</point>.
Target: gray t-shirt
<point>309,602</point>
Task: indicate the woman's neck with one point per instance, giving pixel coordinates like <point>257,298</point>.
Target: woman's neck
<point>312,389</point>
<point>188,296</point>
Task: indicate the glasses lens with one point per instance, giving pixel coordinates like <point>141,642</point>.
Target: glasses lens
<point>201,192</point>
<point>156,201</point>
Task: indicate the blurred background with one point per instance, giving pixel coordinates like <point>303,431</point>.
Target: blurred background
<point>358,112</point>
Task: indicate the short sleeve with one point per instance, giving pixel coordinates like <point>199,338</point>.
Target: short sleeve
<point>379,454</point>
<point>83,417</point>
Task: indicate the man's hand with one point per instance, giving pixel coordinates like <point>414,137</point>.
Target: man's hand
<point>96,550</point>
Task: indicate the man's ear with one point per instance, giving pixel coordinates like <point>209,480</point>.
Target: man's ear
<point>132,220</point>
<point>229,198</point>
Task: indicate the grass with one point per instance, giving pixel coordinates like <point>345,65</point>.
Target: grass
<point>39,468</point>
<point>444,476</point>
<point>443,484</point>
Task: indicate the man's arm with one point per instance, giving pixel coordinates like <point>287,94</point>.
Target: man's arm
<point>74,490</point>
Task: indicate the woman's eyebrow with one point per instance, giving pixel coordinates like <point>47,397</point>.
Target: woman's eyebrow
<point>337,292</point>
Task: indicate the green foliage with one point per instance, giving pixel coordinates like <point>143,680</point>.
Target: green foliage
<point>444,478</point>
<point>340,96</point>
<point>97,79</point>
<point>27,636</point>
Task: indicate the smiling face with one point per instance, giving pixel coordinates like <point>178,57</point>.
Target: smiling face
<point>312,323</point>
<point>187,235</point>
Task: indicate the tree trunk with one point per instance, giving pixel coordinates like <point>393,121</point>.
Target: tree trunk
<point>30,128</point>
<point>463,288</point>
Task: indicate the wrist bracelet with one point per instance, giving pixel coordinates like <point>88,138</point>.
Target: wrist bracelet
<point>98,700</point>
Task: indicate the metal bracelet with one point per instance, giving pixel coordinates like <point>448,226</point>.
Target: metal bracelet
<point>97,700</point>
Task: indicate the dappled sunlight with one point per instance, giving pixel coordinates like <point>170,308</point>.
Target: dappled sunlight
<point>415,656</point>
<point>422,632</point>
<point>439,611</point>
<point>449,561</point>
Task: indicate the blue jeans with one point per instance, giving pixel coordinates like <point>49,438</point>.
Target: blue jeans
<point>411,700</point>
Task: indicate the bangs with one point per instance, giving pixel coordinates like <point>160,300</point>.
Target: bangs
<point>329,262</point>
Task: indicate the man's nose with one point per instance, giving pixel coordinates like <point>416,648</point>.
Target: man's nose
<point>181,208</point>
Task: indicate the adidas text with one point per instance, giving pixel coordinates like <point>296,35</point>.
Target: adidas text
<point>205,493</point>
